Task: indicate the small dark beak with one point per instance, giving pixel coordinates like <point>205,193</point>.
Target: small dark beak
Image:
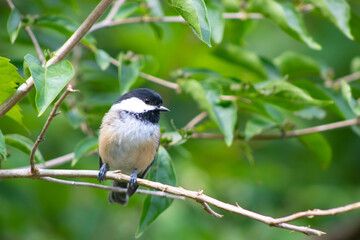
<point>164,109</point>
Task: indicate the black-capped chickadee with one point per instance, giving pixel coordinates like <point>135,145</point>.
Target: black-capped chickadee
<point>129,138</point>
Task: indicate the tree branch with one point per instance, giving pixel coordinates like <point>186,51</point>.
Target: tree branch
<point>348,78</point>
<point>108,188</point>
<point>55,162</point>
<point>11,4</point>
<point>114,10</point>
<point>195,195</point>
<point>196,120</point>
<point>36,44</point>
<point>110,16</point>
<point>288,134</point>
<point>47,123</point>
<point>209,210</point>
<point>160,81</point>
<point>170,19</point>
<point>319,212</point>
<point>60,55</point>
<point>151,78</point>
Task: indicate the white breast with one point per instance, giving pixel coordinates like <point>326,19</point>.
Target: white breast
<point>127,143</point>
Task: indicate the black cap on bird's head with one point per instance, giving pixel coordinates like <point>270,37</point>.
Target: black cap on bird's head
<point>148,96</point>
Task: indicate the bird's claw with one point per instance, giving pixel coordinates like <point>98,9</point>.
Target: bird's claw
<point>133,177</point>
<point>101,176</point>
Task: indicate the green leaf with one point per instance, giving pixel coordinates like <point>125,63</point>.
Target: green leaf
<point>346,92</point>
<point>256,125</point>
<point>102,59</point>
<point>355,65</point>
<point>26,70</point>
<point>288,96</point>
<point>311,113</point>
<point>248,60</point>
<point>175,138</point>
<point>195,14</point>
<point>225,111</point>
<point>161,171</point>
<point>338,12</point>
<point>83,147</point>
<point>23,144</point>
<point>71,3</point>
<point>129,70</point>
<point>288,19</point>
<point>9,80</point>
<point>48,81</point>
<point>14,24</point>
<point>341,106</point>
<point>126,10</point>
<point>355,26</point>
<point>217,23</point>
<point>2,146</point>
<point>75,118</point>
<point>158,31</point>
<point>65,26</point>
<point>295,64</point>
<point>155,7</point>
<point>319,147</point>
<point>207,95</point>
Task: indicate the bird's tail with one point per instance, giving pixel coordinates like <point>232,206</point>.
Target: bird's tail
<point>117,197</point>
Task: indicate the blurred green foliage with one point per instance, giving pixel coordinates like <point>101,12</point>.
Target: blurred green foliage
<point>270,64</point>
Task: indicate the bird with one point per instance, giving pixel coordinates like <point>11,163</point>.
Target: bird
<point>129,139</point>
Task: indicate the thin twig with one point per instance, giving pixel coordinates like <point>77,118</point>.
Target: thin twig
<point>36,44</point>
<point>136,20</point>
<point>228,98</point>
<point>348,78</point>
<point>195,195</point>
<point>160,81</point>
<point>242,15</point>
<point>56,161</point>
<point>209,210</point>
<point>114,10</point>
<point>110,16</point>
<point>113,189</point>
<point>288,134</point>
<point>24,88</point>
<point>170,19</point>
<point>192,123</point>
<point>151,78</point>
<point>318,212</point>
<point>47,123</point>
<point>11,4</point>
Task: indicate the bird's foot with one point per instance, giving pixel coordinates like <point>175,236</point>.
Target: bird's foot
<point>104,168</point>
<point>133,177</point>
<point>132,184</point>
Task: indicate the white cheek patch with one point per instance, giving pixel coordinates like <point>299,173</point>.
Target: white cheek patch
<point>133,105</point>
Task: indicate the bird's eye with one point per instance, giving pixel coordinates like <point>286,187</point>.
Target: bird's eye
<point>147,101</point>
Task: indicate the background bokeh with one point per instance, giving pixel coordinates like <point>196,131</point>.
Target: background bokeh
<point>282,178</point>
